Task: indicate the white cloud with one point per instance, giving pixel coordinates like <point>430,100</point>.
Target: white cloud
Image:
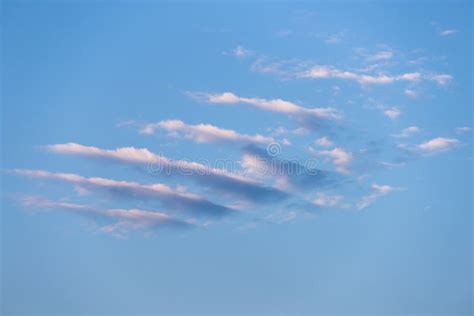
<point>156,189</point>
<point>382,189</point>
<point>176,198</point>
<point>406,132</point>
<point>139,156</point>
<point>392,164</point>
<point>290,69</point>
<point>123,220</point>
<point>324,141</point>
<point>392,113</point>
<point>339,157</point>
<point>448,32</point>
<point>382,55</point>
<point>300,131</point>
<point>240,51</point>
<point>41,202</point>
<point>281,217</point>
<point>377,191</point>
<point>204,133</point>
<point>438,144</point>
<point>235,184</point>
<point>462,130</point>
<point>127,154</point>
<point>225,98</point>
<point>334,38</point>
<point>279,131</point>
<point>324,72</point>
<point>273,105</point>
<point>326,200</point>
<point>410,93</point>
<point>442,79</point>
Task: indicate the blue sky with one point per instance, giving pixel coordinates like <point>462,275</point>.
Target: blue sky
<point>197,158</point>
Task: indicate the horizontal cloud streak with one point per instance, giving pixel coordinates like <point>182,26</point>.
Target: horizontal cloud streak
<point>406,132</point>
<point>219,179</point>
<point>447,32</point>
<point>462,130</point>
<point>308,70</point>
<point>123,220</point>
<point>377,191</point>
<point>273,105</point>
<point>203,133</point>
<point>177,199</point>
<point>309,117</point>
<point>325,200</point>
<point>392,113</point>
<point>326,72</point>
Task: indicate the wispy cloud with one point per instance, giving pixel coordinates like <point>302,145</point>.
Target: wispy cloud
<point>204,133</point>
<point>441,79</point>
<point>240,51</point>
<point>339,157</point>
<point>324,142</point>
<point>442,30</point>
<point>392,113</point>
<point>383,54</point>
<point>317,117</point>
<point>297,69</point>
<point>448,32</point>
<point>333,38</point>
<point>389,111</point>
<point>406,132</point>
<point>462,130</point>
<point>279,131</point>
<point>118,221</point>
<point>282,217</point>
<point>380,55</point>
<point>377,191</point>
<point>273,105</point>
<point>326,200</point>
<point>217,178</point>
<point>174,198</point>
<point>326,72</point>
<point>410,93</point>
<point>284,33</point>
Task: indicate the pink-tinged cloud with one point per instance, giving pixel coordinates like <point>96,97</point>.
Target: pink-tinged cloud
<point>204,133</point>
<point>272,105</point>
<point>175,198</point>
<point>118,221</point>
<point>216,178</point>
<point>438,144</point>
